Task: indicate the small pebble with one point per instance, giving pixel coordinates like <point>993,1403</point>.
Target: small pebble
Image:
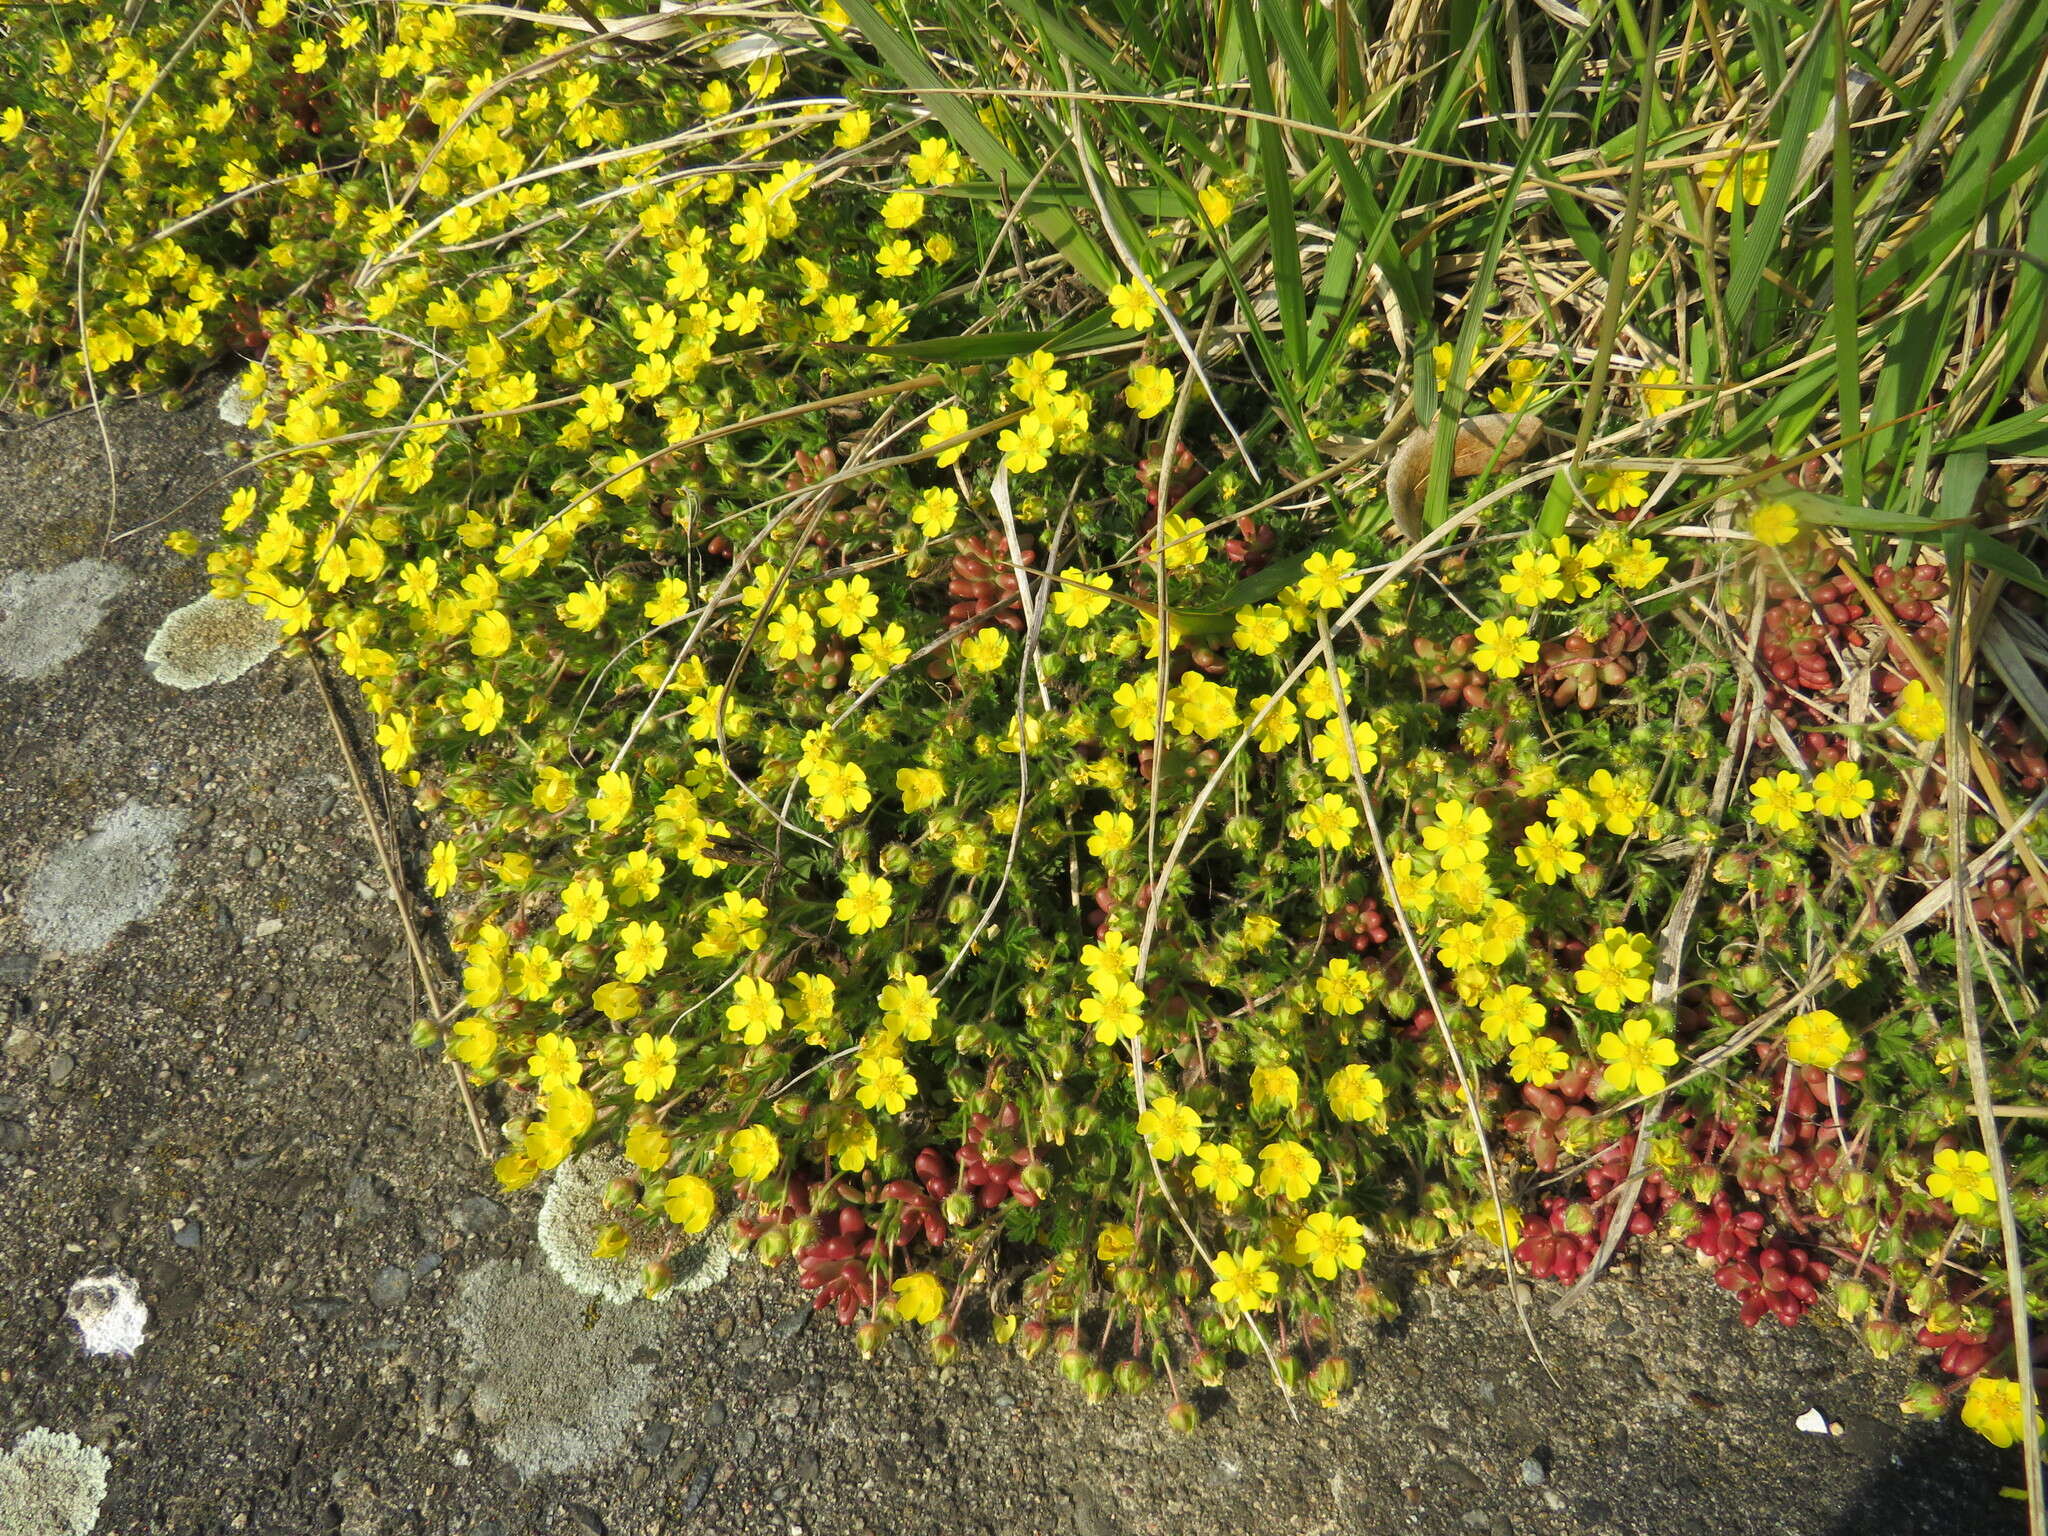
<point>390,1287</point>
<point>585,1516</point>
<point>186,1233</point>
<point>1534,1474</point>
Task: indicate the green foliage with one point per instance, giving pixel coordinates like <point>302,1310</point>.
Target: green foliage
<point>733,493</point>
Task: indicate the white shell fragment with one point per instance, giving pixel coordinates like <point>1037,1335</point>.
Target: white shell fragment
<point>109,1312</point>
<point>1814,1422</point>
<point>213,640</point>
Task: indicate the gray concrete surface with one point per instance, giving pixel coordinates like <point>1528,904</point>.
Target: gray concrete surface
<point>349,1331</point>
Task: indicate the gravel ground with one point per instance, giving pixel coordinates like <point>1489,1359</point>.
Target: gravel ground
<point>206,1084</point>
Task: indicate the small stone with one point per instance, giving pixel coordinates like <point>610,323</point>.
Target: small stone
<point>714,1416</point>
<point>1534,1473</point>
<point>722,1329</point>
<point>187,1233</point>
<point>61,1067</point>
<point>477,1215</point>
<point>365,1196</point>
<point>585,1516</point>
<point>425,1265</point>
<point>805,1469</point>
<point>487,1528</point>
<point>699,1486</point>
<point>321,1309</point>
<point>792,1325</point>
<point>390,1287</point>
<point>787,1405</point>
<point>743,1443</point>
<point>23,1046</point>
<point>1475,1519</point>
<point>1458,1473</point>
<point>13,1135</point>
<point>654,1438</point>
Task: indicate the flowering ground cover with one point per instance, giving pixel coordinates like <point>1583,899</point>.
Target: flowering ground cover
<point>1110,675</point>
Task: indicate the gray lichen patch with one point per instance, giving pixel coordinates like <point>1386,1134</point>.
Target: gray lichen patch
<point>51,1484</point>
<point>47,617</point>
<point>86,893</point>
<point>559,1380</point>
<point>213,640</point>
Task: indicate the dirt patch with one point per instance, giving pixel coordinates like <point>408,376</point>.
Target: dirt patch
<point>222,1103</point>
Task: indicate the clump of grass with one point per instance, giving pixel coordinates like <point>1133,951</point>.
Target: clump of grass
<point>752,502</point>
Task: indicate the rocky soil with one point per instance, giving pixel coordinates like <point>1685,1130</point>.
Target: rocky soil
<point>207,1086</point>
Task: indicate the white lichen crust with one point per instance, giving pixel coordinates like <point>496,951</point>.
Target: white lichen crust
<point>213,640</point>
<point>51,1484</point>
<point>571,1216</point>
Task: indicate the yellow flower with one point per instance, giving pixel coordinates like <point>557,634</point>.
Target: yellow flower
<point>1537,1060</point>
<point>1287,1169</point>
<point>1131,306</point>
<point>1727,177</point>
<point>865,906</point>
<point>1774,523</point>
<point>1150,390</point>
<point>1328,580</point>
<point>908,1006</point>
<point>1170,1128</point>
<point>1655,387</point>
<point>1549,852</point>
<point>442,869</point>
<point>1963,1179</point>
<point>1636,1057</point>
<point>885,1084</point>
<point>1920,714</point>
<point>947,421</point>
<point>1816,1039</point>
<point>1513,1014</point>
<point>1842,791</point>
<point>1505,648</point>
<point>1995,1410</point>
<point>936,512</point>
<point>1616,490</point>
<point>898,258</point>
<point>754,1153</point>
<point>1458,835</point>
<point>1027,445</point>
<point>689,1202</point>
<point>1533,577</point>
<point>1328,1243</point>
<point>1781,800</point>
<point>1355,1093</point>
<point>1078,599</point>
<point>919,1297</point>
<point>643,949</point>
<point>584,906</point>
<point>900,210</point>
<point>1115,1243</point>
<point>935,164</point>
<point>1223,1172</point>
<point>651,1069</point>
<point>1327,822</point>
<point>1243,1282</point>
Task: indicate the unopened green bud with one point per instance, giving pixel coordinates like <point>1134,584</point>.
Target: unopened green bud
<point>1133,1377</point>
<point>621,1194</point>
<point>1852,1300</point>
<point>1184,1416</point>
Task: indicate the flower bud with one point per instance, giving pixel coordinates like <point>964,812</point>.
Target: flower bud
<point>772,1247</point>
<point>1214,1332</point>
<point>1292,1371</point>
<point>1852,1300</point>
<point>945,1348</point>
<point>1207,1366</point>
<point>895,859</point>
<point>1883,1338</point>
<point>1098,1384</point>
<point>1184,1416</point>
<point>655,1277</point>
<point>870,1337</point>
<point>621,1194</point>
<point>1133,1377</point>
<point>1032,1338</point>
<point>1924,1400</point>
<point>1075,1364</point>
<point>426,1035</point>
<point>1331,1376</point>
<point>1187,1282</point>
<point>1682,1219</point>
<point>959,1208</point>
